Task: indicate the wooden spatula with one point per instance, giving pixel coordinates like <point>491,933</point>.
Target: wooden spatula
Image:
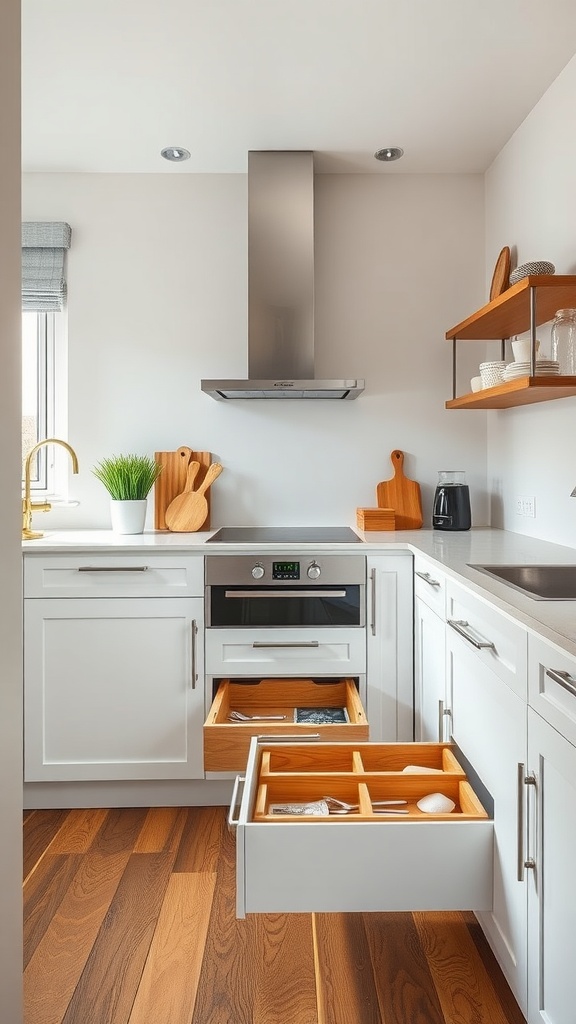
<point>401,494</point>
<point>187,511</point>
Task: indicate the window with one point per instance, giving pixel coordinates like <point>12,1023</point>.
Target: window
<point>43,397</point>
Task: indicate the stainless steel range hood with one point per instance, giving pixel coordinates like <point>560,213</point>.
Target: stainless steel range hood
<point>281,286</point>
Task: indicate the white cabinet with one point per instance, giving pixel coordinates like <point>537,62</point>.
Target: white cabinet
<point>552,881</point>
<point>390,677</point>
<point>486,663</point>
<point>114,678</point>
<point>429,651</point>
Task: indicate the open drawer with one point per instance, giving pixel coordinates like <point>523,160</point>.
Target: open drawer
<point>372,858</point>
<point>302,707</point>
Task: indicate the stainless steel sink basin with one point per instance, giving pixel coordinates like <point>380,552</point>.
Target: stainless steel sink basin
<point>540,582</point>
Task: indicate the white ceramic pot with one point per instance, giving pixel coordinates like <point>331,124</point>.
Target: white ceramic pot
<point>128,516</point>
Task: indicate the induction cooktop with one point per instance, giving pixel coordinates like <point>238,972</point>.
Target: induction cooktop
<point>286,535</point>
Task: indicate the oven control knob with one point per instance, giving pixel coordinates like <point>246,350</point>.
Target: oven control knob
<point>258,571</point>
<point>314,571</point>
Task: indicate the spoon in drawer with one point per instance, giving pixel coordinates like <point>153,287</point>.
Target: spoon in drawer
<point>341,807</point>
<point>238,716</point>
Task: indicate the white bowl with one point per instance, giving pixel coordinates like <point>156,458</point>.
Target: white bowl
<point>491,372</point>
<point>476,384</point>
<point>539,267</point>
<point>436,803</point>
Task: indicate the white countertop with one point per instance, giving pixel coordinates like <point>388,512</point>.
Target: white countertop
<point>553,620</point>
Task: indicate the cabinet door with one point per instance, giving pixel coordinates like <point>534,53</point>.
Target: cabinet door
<point>429,673</point>
<point>552,885</point>
<point>489,726</point>
<point>114,689</point>
<point>390,682</point>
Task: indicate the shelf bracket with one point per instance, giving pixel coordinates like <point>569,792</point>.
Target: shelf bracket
<point>532,331</point>
<point>454,367</point>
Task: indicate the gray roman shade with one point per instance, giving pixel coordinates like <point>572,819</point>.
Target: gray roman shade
<point>44,246</point>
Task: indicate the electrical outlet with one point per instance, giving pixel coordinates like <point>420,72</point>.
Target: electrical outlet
<point>519,506</point>
<point>529,508</point>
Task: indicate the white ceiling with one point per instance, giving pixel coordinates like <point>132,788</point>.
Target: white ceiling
<point>108,83</point>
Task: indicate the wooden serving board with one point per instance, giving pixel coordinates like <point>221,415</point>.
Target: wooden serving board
<point>401,494</point>
<point>172,480</point>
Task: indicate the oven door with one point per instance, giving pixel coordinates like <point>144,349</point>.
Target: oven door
<point>298,606</point>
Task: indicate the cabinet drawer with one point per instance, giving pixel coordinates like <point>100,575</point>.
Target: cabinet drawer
<point>552,686</point>
<point>366,860</point>
<point>430,585</point>
<point>226,743</point>
<point>498,642</point>
<point>267,652</point>
<point>126,575</point>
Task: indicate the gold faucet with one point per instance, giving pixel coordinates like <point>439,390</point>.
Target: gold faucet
<point>29,506</point>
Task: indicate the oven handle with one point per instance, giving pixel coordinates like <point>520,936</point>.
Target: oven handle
<point>284,593</point>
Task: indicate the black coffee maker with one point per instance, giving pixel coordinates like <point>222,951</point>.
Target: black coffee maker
<point>451,509</point>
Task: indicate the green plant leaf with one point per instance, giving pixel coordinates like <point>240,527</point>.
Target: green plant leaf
<point>128,477</point>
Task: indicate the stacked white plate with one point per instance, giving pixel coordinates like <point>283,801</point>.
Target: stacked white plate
<point>544,368</point>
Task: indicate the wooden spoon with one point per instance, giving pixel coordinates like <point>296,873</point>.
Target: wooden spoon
<point>187,511</point>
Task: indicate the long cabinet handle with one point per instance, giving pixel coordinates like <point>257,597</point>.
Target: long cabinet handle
<point>194,674</point>
<point>522,861</point>
<point>112,568</point>
<point>563,678</point>
<point>373,612</point>
<point>305,737</point>
<point>459,625</point>
<point>286,643</point>
<point>428,579</point>
<point>276,594</point>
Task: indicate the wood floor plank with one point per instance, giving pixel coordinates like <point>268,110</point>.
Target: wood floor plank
<point>120,831</point>
<point>78,830</point>
<point>463,985</point>
<point>403,981</point>
<point>344,980</point>
<point>162,830</point>
<point>200,844</point>
<point>113,970</point>
<point>43,893</point>
<point>503,991</point>
<point>255,971</point>
<point>167,990</point>
<point>39,831</point>
<point>52,974</point>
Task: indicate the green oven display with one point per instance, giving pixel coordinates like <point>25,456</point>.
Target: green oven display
<point>285,570</point>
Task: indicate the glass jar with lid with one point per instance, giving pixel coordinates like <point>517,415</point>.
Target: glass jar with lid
<point>563,341</point>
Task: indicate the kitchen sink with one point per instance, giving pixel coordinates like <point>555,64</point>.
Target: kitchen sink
<point>540,582</point>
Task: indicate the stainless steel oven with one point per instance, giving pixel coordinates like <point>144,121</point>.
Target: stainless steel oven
<point>285,591</point>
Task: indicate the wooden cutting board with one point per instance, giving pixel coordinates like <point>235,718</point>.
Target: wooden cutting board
<point>172,481</point>
<point>401,494</point>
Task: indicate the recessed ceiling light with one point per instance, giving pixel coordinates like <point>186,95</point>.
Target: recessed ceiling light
<point>175,153</point>
<point>389,154</point>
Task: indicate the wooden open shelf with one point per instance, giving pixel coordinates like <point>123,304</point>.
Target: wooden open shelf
<point>509,314</point>
<point>522,391</point>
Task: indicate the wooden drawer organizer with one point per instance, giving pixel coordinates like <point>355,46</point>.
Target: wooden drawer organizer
<point>226,743</point>
<point>361,775</point>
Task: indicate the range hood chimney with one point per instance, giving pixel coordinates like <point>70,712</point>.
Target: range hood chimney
<point>281,285</point>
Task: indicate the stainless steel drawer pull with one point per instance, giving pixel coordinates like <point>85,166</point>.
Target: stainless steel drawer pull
<point>286,643</point>
<point>373,611</point>
<point>239,781</point>
<point>459,624</point>
<point>563,678</point>
<point>284,593</point>
<point>112,568</point>
<point>428,579</point>
<point>442,714</point>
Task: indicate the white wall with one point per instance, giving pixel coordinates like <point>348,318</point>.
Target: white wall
<point>158,300</point>
<point>10,522</point>
<point>530,201</point>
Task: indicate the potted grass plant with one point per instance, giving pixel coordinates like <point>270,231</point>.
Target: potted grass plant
<point>128,480</point>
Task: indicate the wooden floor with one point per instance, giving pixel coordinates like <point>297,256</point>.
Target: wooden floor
<point>129,919</point>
